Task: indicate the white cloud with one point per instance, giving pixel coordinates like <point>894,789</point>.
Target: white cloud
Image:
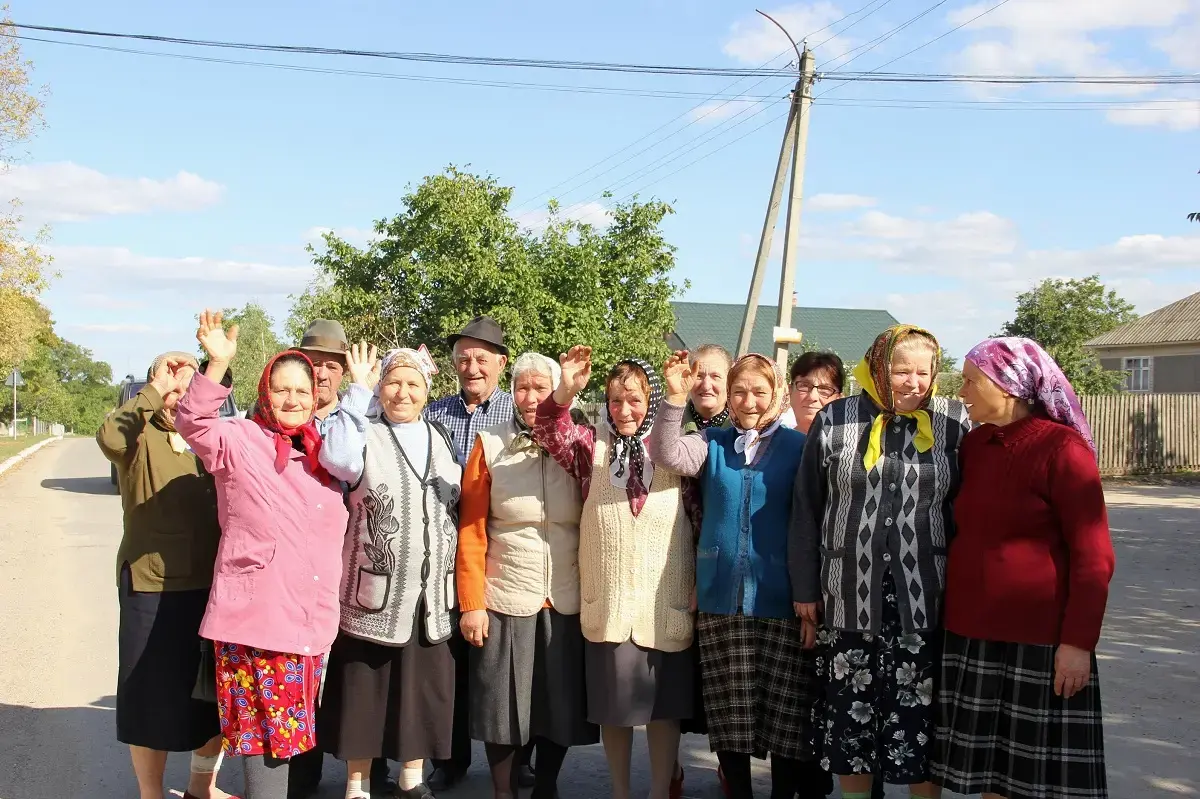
<point>68,192</point>
<point>1088,37</point>
<point>839,202</point>
<point>107,302</point>
<point>1174,116</point>
<point>590,213</point>
<point>117,327</point>
<point>755,40</point>
<point>710,113</point>
<point>96,268</point>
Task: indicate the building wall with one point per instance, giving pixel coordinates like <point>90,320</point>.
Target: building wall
<point>1175,368</point>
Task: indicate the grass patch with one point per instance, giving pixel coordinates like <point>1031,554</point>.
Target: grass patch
<point>12,446</point>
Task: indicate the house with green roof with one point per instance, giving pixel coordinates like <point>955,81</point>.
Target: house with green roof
<point>846,331</point>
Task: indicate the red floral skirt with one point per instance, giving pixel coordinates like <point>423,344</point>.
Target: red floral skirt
<point>266,700</point>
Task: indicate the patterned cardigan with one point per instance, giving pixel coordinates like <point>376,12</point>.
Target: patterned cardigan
<point>850,525</point>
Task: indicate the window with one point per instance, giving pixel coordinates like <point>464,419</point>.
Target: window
<point>1138,374</point>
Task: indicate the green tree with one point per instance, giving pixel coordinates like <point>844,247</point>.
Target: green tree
<point>453,252</point>
<point>1062,315</point>
<point>64,384</point>
<point>257,342</point>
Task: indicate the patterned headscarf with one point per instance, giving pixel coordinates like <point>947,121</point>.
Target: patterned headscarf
<point>304,438</point>
<point>749,439</point>
<point>1022,369</point>
<point>874,374</point>
<point>161,416</point>
<point>418,359</point>
<point>628,466</point>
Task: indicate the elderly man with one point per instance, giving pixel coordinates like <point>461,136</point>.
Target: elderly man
<point>325,343</point>
<point>479,360</point>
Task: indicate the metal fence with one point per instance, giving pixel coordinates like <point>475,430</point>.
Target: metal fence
<point>1145,433</point>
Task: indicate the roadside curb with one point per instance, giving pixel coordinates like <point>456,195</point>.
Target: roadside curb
<point>25,453</point>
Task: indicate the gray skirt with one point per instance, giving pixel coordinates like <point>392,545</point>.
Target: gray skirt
<point>527,681</point>
<point>628,686</point>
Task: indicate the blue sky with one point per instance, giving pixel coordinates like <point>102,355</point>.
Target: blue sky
<point>173,184</point>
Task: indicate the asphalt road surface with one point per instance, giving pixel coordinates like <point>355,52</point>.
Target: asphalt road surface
<point>60,522</point>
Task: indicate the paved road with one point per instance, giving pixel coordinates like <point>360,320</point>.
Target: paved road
<point>59,526</point>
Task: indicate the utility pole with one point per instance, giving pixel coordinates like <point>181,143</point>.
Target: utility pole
<point>792,151</point>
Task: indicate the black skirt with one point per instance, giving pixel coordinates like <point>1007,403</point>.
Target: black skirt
<point>1001,728</point>
<point>388,701</point>
<point>158,655</point>
<point>760,685</point>
<point>527,681</point>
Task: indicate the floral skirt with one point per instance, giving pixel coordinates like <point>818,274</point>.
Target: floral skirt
<point>265,700</point>
<point>876,714</point>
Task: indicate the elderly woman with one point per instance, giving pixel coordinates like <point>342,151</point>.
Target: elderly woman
<point>1027,581</point>
<point>636,567</point>
<point>759,683</point>
<point>164,571</point>
<point>870,523</point>
<point>708,403</point>
<point>390,688</point>
<point>816,380</point>
<point>518,590</point>
<point>272,613</point>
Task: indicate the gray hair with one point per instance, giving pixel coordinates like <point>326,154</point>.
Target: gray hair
<point>536,362</point>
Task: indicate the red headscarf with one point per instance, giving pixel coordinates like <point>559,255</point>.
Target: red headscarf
<point>264,415</point>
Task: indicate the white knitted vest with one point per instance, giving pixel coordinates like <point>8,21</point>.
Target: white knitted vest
<point>636,573</point>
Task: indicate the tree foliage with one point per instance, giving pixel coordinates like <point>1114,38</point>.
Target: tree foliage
<point>24,267</point>
<point>64,384</point>
<point>454,252</point>
<point>1062,315</point>
<point>257,342</point>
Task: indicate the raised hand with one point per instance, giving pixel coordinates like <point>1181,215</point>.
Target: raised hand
<point>220,344</point>
<point>680,376</point>
<point>576,372</point>
<point>167,379</point>
<point>361,362</point>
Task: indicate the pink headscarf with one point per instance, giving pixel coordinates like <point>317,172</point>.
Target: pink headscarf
<point>1024,370</point>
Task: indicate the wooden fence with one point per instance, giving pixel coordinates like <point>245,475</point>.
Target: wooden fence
<point>1142,433</point>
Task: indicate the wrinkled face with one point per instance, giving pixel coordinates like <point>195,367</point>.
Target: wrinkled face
<point>291,394</point>
<point>708,392</point>
<point>479,367</point>
<point>986,402</point>
<point>810,393</point>
<point>911,374</point>
<point>185,375</point>
<point>627,405</point>
<point>328,369</point>
<point>749,399</point>
<point>529,389</point>
<point>403,394</point>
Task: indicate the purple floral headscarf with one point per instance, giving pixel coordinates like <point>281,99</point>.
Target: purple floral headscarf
<point>1024,370</point>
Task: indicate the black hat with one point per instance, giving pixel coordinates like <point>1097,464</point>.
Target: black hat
<point>482,328</point>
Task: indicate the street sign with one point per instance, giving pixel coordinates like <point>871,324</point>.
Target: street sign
<point>14,380</point>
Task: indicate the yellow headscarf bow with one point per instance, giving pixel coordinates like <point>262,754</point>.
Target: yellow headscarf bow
<point>875,369</point>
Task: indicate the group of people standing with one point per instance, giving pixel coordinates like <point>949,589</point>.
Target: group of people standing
<point>890,585</point>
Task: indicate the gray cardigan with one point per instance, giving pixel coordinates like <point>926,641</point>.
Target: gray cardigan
<point>849,525</point>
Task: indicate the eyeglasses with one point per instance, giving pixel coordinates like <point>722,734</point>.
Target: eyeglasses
<point>824,390</point>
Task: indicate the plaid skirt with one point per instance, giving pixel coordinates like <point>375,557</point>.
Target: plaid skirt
<point>1001,729</point>
<point>758,684</point>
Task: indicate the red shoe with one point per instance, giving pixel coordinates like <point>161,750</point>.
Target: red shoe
<point>676,789</point>
<point>724,784</point>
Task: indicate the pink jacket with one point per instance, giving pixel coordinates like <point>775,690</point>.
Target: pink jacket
<point>280,557</point>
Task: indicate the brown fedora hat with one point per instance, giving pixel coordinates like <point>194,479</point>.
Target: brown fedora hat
<point>325,335</point>
<point>482,328</point>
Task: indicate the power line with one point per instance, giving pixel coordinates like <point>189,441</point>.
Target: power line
<point>871,45</point>
<point>601,66</point>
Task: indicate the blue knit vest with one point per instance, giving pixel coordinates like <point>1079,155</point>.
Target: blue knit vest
<point>742,552</point>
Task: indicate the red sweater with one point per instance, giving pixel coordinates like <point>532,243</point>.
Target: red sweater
<point>1032,557</point>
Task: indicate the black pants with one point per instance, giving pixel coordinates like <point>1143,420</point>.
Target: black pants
<point>460,754</point>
